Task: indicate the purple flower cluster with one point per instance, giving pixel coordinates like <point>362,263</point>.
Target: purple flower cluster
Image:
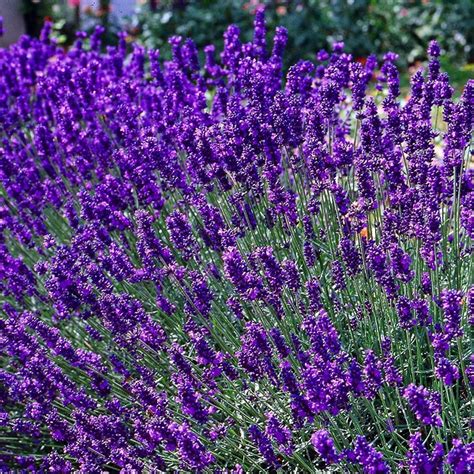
<point>420,460</point>
<point>201,262</point>
<point>362,454</point>
<point>425,404</point>
<point>324,445</point>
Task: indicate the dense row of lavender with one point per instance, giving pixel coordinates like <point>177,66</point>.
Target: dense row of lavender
<point>212,267</point>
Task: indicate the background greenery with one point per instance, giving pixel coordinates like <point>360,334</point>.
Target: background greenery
<point>366,26</point>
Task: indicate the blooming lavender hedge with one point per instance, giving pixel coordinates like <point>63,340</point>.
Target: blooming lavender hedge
<point>217,268</point>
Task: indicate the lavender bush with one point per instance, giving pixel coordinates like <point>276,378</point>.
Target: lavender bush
<point>212,267</point>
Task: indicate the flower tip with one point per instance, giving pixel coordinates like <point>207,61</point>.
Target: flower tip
<point>434,49</point>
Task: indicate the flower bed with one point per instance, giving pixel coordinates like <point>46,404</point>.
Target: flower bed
<point>215,268</point>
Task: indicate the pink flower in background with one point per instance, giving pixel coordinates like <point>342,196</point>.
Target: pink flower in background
<point>74,3</point>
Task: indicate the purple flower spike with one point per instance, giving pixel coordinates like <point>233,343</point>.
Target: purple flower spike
<point>425,403</point>
<point>371,460</point>
<point>461,457</point>
<point>264,445</point>
<point>324,445</point>
<point>420,460</point>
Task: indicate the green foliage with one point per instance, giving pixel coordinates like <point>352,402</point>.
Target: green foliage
<point>366,26</point>
<point>34,14</point>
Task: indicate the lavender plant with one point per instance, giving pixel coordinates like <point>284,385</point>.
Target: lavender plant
<point>218,268</point>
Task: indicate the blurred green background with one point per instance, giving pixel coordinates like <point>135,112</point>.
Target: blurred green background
<point>366,26</point>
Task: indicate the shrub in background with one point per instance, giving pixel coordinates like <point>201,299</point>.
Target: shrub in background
<point>366,26</point>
